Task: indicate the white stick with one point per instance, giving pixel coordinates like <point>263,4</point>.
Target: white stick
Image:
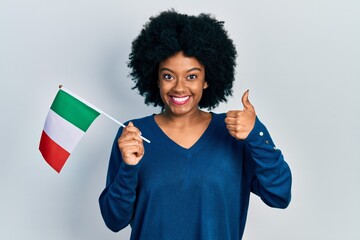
<point>97,109</point>
<point>123,125</point>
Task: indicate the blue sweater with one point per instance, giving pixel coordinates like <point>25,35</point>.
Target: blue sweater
<point>201,193</point>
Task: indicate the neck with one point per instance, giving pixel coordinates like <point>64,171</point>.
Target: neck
<point>183,120</point>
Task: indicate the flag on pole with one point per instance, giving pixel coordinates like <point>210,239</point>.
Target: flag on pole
<point>67,121</point>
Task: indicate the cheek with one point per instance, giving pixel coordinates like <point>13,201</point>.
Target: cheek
<point>163,87</point>
<point>163,90</point>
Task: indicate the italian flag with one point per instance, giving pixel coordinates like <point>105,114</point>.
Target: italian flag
<point>67,121</point>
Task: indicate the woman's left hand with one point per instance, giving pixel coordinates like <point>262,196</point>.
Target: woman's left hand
<point>241,122</point>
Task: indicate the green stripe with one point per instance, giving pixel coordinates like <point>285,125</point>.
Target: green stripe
<point>73,110</point>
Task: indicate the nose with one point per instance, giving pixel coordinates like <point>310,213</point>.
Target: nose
<point>179,86</point>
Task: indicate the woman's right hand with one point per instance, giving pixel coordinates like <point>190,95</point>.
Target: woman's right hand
<point>131,145</point>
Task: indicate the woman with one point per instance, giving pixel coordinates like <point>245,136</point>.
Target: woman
<point>194,179</point>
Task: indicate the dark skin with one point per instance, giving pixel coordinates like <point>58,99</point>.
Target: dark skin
<point>181,84</point>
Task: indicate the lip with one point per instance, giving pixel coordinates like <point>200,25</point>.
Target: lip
<point>180,100</point>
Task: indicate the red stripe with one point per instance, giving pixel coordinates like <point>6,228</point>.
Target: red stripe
<point>52,152</point>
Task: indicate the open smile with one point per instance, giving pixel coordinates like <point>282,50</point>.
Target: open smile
<point>180,100</point>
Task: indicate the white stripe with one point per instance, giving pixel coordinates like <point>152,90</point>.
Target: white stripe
<point>62,132</point>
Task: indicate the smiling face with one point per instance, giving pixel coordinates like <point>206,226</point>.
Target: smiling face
<point>181,82</point>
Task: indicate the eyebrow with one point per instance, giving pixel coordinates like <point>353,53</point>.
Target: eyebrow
<point>190,70</point>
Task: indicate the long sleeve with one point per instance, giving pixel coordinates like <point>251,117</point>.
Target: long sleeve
<point>272,175</point>
<point>117,199</point>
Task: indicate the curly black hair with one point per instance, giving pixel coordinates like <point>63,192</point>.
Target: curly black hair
<point>202,37</point>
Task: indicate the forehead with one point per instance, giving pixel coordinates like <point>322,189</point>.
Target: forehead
<point>180,61</point>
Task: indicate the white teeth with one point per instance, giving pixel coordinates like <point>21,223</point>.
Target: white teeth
<point>180,99</point>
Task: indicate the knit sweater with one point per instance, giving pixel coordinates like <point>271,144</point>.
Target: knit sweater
<point>200,193</point>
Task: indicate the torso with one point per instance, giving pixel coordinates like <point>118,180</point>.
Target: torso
<point>198,192</point>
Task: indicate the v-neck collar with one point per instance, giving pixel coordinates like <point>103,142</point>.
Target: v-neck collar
<point>175,146</point>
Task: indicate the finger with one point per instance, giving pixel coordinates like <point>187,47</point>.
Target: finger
<point>232,114</point>
<point>245,101</point>
<point>131,128</point>
<point>129,138</point>
<point>231,127</point>
<point>130,131</point>
<point>230,120</point>
<point>130,142</point>
<point>131,148</point>
<point>233,133</point>
<point>136,150</point>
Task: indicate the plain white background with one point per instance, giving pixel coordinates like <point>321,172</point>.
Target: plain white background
<point>300,60</point>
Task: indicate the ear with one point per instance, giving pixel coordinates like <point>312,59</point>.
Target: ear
<point>206,85</point>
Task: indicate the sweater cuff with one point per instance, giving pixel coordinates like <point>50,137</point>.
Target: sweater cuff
<point>128,175</point>
<point>130,172</point>
<point>131,168</point>
<point>259,135</point>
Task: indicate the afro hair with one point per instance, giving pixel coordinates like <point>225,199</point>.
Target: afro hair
<point>202,37</point>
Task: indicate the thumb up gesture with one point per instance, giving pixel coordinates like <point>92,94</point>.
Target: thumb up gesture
<point>241,122</point>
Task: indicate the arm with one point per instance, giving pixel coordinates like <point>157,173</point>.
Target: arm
<point>118,198</point>
<point>272,177</point>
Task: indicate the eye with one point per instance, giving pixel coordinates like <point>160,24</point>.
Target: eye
<point>192,77</point>
<point>167,76</point>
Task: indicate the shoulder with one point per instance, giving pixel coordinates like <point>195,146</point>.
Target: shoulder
<point>218,122</point>
<point>142,121</point>
<point>219,118</point>
<point>221,135</point>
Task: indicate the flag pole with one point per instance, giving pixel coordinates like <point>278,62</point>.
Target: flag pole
<point>97,109</point>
